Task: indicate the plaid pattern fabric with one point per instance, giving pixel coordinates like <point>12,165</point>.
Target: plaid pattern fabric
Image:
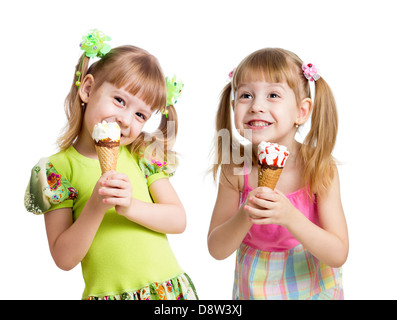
<point>292,274</point>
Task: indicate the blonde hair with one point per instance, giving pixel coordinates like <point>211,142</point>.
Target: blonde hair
<point>140,74</point>
<point>277,65</point>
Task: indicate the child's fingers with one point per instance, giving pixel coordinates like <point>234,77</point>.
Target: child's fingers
<point>108,174</point>
<point>267,194</point>
<point>256,213</point>
<point>115,189</point>
<point>114,175</point>
<point>116,180</point>
<point>115,183</point>
<point>261,203</point>
<point>114,192</point>
<point>258,216</point>
<point>114,201</point>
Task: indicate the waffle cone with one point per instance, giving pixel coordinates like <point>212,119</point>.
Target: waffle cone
<point>268,177</point>
<point>107,158</point>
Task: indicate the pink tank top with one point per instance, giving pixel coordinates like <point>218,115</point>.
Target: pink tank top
<point>274,237</point>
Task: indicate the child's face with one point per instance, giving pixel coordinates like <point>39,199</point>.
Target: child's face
<point>116,105</point>
<point>268,109</point>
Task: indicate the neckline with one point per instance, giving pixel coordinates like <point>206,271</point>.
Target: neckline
<point>88,161</point>
<point>293,193</point>
<point>73,151</point>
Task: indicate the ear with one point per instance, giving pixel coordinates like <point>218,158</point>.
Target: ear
<point>304,111</point>
<point>86,88</point>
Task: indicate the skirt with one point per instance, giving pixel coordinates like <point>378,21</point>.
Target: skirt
<point>178,288</point>
<point>289,275</point>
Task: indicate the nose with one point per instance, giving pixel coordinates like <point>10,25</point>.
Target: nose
<point>124,118</point>
<point>258,106</point>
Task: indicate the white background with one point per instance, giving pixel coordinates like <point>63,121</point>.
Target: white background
<point>352,42</point>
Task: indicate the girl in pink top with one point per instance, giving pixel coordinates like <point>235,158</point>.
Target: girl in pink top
<point>290,242</point>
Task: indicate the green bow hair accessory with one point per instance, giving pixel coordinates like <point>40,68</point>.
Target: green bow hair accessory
<point>174,92</point>
<point>93,43</point>
<point>174,89</point>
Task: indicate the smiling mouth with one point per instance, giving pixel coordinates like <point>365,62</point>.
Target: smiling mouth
<point>259,123</point>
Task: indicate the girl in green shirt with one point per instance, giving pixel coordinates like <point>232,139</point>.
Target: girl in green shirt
<point>115,223</point>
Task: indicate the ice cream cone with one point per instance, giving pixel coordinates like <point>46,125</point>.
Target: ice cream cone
<point>107,157</point>
<point>268,176</point>
<point>271,161</point>
<point>107,142</point>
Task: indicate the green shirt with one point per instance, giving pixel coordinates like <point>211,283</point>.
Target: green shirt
<point>124,256</point>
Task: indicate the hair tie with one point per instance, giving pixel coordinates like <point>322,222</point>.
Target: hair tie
<point>310,71</point>
<point>231,74</point>
<point>174,92</point>
<point>229,80</point>
<point>93,44</point>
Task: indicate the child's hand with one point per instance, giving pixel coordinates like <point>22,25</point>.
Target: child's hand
<point>265,206</point>
<point>97,198</point>
<point>116,191</point>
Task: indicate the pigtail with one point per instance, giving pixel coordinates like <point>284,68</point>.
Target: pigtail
<point>224,109</point>
<point>158,145</point>
<point>73,106</point>
<point>223,123</point>
<point>316,151</point>
<point>169,127</point>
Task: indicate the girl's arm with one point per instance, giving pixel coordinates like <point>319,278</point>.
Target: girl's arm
<point>166,215</point>
<point>68,241</point>
<point>229,224</point>
<point>328,242</point>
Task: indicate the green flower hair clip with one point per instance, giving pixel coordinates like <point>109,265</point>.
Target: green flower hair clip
<point>93,44</point>
<point>174,92</point>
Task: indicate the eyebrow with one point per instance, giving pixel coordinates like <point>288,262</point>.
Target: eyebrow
<point>120,91</point>
<point>277,84</point>
<point>148,110</point>
<point>268,85</point>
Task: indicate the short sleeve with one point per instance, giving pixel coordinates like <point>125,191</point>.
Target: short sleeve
<point>157,176</point>
<point>154,169</point>
<point>47,189</point>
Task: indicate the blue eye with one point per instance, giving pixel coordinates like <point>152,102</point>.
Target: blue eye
<point>245,96</point>
<point>120,101</point>
<point>141,115</point>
